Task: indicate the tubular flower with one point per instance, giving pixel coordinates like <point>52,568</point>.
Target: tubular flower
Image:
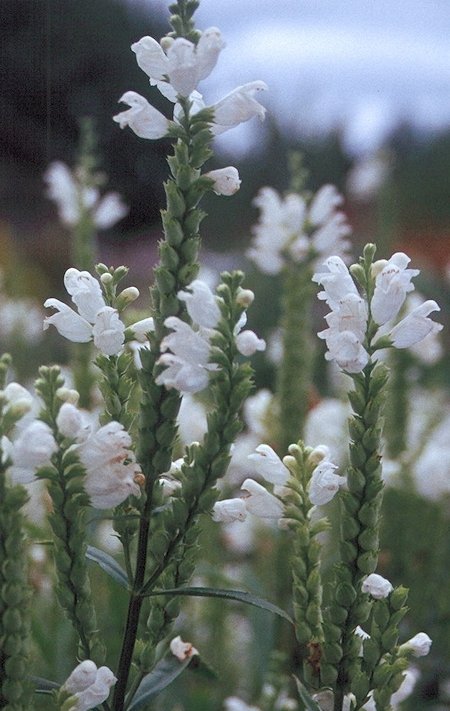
<point>176,66</point>
<point>111,468</point>
<point>88,686</point>
<point>229,510</point>
<point>141,117</point>
<point>226,180</point>
<point>269,465</point>
<point>260,502</point>
<point>324,483</point>
<point>94,320</point>
<point>415,326</point>
<point>392,283</point>
<point>377,586</point>
<point>182,650</point>
<point>237,107</point>
<point>32,449</point>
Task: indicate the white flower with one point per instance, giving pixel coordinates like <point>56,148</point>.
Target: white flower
<point>142,328</point>
<point>392,284</point>
<point>324,483</point>
<point>419,645</point>
<point>69,420</point>
<point>406,687</point>
<point>82,676</point>
<point>346,349</point>
<point>269,465</point>
<point>247,343</point>
<point>187,365</point>
<point>32,449</point>
<point>229,510</point>
<point>377,586</point>
<point>73,199</point>
<point>201,304</point>
<point>85,698</point>
<point>237,107</point>
<point>182,650</point>
<point>18,398</point>
<point>336,281</point>
<point>184,63</point>
<point>324,204</point>
<point>141,117</point>
<point>94,319</point>
<point>226,180</point>
<point>415,326</point>
<point>111,468</point>
<point>260,502</point>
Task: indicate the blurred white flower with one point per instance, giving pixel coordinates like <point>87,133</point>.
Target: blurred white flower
<point>73,199</point>
<point>288,226</point>
<point>233,703</point>
<point>377,586</point>
<point>32,449</point>
<point>406,688</point>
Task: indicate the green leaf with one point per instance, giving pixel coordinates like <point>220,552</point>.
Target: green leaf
<point>108,564</point>
<point>164,673</point>
<point>43,686</point>
<point>237,595</point>
<point>310,704</point>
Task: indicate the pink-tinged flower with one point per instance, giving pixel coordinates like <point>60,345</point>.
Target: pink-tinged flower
<point>182,650</point>
<point>229,510</point>
<point>418,646</point>
<point>392,284</point>
<point>179,62</point>
<point>201,304</point>
<point>269,465</point>
<point>415,326</point>
<point>260,502</point>
<point>237,107</point>
<point>94,319</point>
<point>226,180</point>
<point>32,449</point>
<point>377,586</point>
<point>324,483</point>
<point>111,468</point>
<point>187,364</point>
<point>336,281</point>
<point>86,696</point>
<point>142,117</point>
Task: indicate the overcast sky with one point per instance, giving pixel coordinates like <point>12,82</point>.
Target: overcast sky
<point>359,64</point>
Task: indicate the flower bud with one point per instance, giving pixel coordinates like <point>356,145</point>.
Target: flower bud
<point>418,646</point>
<point>68,395</point>
<point>245,297</point>
<point>106,278</point>
<point>127,296</point>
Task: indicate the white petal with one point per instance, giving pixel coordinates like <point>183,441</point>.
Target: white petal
<point>108,331</point>
<point>208,49</point>
<point>85,291</point>
<point>67,322</point>
<point>226,180</point>
<point>229,510</point>
<point>238,106</point>
<point>201,304</point>
<point>150,57</point>
<point>323,204</point>
<point>416,326</point>
<point>141,117</point>
<point>269,465</point>
<point>110,210</point>
<point>261,502</point>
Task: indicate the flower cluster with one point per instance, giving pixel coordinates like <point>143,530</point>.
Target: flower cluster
<point>186,350</point>
<point>73,198</point>
<point>296,229</point>
<point>353,316</point>
<point>95,320</point>
<point>257,500</point>
<point>176,66</point>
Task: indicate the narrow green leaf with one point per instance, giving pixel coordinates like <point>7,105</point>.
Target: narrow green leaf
<point>164,673</point>
<point>310,704</point>
<point>237,595</point>
<point>108,564</point>
<point>43,686</point>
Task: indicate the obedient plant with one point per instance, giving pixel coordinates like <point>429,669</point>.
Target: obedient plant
<point>124,461</point>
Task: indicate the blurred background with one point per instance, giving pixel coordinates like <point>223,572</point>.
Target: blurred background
<point>362,88</point>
